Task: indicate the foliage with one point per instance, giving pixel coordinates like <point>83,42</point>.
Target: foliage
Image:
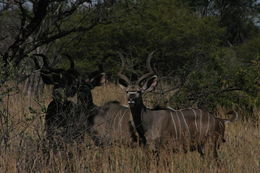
<point>222,82</point>
<point>177,34</point>
<point>236,16</point>
<point>189,47</point>
<point>210,47</point>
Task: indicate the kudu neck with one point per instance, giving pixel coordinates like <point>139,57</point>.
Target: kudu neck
<point>137,110</point>
<point>85,96</point>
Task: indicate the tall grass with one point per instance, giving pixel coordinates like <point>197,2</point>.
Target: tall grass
<point>26,150</point>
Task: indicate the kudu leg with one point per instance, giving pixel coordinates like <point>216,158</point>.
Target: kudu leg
<point>154,149</point>
<point>214,147</point>
<point>209,148</point>
<point>152,153</point>
<point>201,149</point>
<point>215,150</point>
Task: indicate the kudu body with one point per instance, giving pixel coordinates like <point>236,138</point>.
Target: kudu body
<point>186,129</point>
<point>105,124</point>
<point>60,109</point>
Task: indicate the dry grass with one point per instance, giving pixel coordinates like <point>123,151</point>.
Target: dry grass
<point>25,149</point>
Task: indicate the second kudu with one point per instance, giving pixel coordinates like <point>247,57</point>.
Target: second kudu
<point>106,125</point>
<point>186,129</point>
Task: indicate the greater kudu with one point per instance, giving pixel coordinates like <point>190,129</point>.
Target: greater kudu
<point>60,109</point>
<point>105,124</point>
<point>186,129</point>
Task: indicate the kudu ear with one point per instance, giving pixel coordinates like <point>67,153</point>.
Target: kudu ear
<point>97,78</point>
<point>150,84</point>
<point>50,78</point>
<point>123,84</point>
<point>49,75</point>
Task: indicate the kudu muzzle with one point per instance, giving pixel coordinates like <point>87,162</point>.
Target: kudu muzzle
<point>132,96</point>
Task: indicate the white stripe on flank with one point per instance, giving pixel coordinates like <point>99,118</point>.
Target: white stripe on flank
<point>214,121</point>
<point>120,121</point>
<point>208,124</point>
<point>185,122</point>
<point>152,129</point>
<point>200,123</point>
<point>195,119</point>
<point>179,122</point>
<point>114,124</point>
<point>174,126</point>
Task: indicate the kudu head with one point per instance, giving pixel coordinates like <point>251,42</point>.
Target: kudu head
<point>64,81</point>
<point>87,83</point>
<point>135,89</point>
<point>69,82</point>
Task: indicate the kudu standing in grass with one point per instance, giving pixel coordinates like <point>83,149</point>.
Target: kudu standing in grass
<point>105,124</point>
<point>186,129</point>
<point>60,110</point>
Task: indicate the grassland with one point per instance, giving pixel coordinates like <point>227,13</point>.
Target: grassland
<point>24,148</point>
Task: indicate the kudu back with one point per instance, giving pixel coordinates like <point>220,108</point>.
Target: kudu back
<point>187,129</point>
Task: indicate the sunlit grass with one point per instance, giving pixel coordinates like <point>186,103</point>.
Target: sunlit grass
<point>26,149</point>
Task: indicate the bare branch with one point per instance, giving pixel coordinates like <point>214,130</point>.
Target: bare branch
<point>31,26</point>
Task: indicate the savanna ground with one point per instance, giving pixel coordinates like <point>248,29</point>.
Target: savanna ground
<point>24,148</point>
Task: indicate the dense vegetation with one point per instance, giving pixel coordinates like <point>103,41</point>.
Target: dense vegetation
<point>209,50</point>
<point>207,55</point>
